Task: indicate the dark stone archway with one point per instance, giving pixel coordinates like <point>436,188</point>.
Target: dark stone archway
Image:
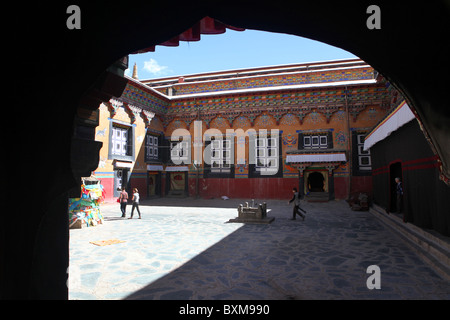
<point>54,70</point>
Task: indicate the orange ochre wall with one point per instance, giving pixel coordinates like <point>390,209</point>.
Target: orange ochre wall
<point>288,122</point>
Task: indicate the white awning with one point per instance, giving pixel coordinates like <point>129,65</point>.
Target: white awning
<point>177,169</point>
<point>155,167</point>
<point>123,164</point>
<point>316,157</point>
<point>399,117</point>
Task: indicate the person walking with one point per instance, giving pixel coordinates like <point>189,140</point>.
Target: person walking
<point>123,199</point>
<point>296,209</point>
<point>135,200</point>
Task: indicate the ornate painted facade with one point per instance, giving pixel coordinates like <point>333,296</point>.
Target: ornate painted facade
<point>320,110</point>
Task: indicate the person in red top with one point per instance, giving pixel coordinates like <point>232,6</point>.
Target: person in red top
<point>123,199</point>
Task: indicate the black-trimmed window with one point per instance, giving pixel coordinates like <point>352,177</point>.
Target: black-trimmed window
<point>221,157</point>
<point>152,144</point>
<point>315,141</point>
<point>267,156</point>
<point>364,160</point>
<point>361,160</point>
<point>180,151</point>
<point>121,142</point>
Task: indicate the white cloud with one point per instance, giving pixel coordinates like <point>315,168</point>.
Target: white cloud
<point>154,68</point>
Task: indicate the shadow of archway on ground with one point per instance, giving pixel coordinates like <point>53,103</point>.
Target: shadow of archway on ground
<point>324,257</point>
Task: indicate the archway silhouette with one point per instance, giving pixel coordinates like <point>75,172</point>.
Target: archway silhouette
<point>56,69</point>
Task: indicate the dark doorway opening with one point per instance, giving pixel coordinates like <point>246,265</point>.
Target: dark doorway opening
<point>120,180</point>
<point>395,171</point>
<point>316,182</point>
<point>153,184</point>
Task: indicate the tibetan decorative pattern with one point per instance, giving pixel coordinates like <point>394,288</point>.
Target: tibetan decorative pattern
<point>290,140</point>
<point>341,138</point>
<point>265,121</point>
<point>340,115</point>
<point>144,99</point>
<point>285,79</point>
<point>289,119</point>
<point>311,105</point>
<point>317,97</point>
<point>220,122</point>
<point>314,118</point>
<point>241,122</point>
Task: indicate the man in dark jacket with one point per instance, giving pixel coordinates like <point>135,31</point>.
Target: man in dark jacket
<point>399,192</point>
<point>296,209</point>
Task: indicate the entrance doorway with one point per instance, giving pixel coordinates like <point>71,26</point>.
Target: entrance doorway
<point>316,182</point>
<point>176,184</point>
<point>120,180</point>
<point>316,185</point>
<point>153,184</point>
<point>395,170</point>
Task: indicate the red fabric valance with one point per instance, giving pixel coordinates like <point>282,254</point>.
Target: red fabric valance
<point>205,26</point>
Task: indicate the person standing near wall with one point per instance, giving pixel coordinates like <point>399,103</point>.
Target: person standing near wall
<point>399,193</point>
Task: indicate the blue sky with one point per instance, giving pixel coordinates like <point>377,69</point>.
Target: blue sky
<point>232,50</point>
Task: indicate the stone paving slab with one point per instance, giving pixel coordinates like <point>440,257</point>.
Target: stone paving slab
<point>184,249</point>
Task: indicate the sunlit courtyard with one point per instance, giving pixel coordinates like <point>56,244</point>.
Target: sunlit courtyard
<point>165,238</point>
<point>185,249</point>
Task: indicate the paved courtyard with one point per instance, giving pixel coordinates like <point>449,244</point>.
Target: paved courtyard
<point>184,249</point>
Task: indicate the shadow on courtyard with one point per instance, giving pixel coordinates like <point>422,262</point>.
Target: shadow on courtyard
<point>324,257</point>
